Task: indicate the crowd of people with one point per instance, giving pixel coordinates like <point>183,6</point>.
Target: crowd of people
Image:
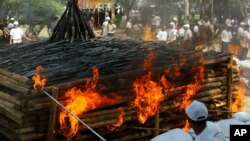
<point>232,35</point>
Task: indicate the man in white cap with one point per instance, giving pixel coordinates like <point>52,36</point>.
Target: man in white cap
<point>187,32</point>
<point>172,33</point>
<point>16,34</point>
<point>197,116</point>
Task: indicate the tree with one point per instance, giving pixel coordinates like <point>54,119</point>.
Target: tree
<point>186,8</point>
<point>31,12</point>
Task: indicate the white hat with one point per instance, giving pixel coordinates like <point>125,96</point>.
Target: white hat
<point>196,28</point>
<point>107,18</point>
<point>242,23</point>
<point>12,19</point>
<point>172,23</point>
<point>175,19</point>
<point>187,25</point>
<point>15,23</point>
<point>197,111</point>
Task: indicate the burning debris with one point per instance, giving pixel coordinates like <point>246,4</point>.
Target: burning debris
<point>39,78</point>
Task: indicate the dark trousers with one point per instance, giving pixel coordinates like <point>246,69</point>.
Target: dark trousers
<point>224,46</point>
<point>243,55</point>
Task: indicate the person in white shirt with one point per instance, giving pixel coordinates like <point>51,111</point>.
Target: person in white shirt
<point>105,27</point>
<point>172,33</point>
<point>187,32</point>
<point>16,34</point>
<point>128,28</point>
<point>197,114</point>
<point>112,27</point>
<point>226,37</point>
<point>162,34</point>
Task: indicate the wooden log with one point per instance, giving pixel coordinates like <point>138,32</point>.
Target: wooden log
<point>52,117</point>
<point>10,98</point>
<point>229,85</point>
<point>16,77</point>
<point>206,99</point>
<point>14,87</point>
<point>157,122</point>
<point>13,114</point>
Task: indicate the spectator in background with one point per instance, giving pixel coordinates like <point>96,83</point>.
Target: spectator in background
<point>226,37</point>
<point>187,32</point>
<point>105,27</point>
<point>128,27</point>
<point>172,33</point>
<point>197,114</point>
<point>96,17</point>
<point>11,23</point>
<point>16,34</point>
<point>111,28</point>
<point>91,23</point>
<point>52,25</point>
<point>162,34</point>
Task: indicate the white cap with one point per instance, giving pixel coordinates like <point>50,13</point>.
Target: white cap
<point>107,18</point>
<point>172,23</point>
<point>242,23</point>
<point>187,25</point>
<point>175,19</point>
<point>196,28</point>
<point>197,111</point>
<point>15,23</point>
<point>12,19</point>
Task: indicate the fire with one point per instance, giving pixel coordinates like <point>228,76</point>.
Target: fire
<point>186,126</point>
<point>80,101</point>
<point>237,104</point>
<point>192,88</point>
<point>148,94</point>
<point>148,63</point>
<point>119,122</point>
<point>148,35</point>
<point>39,78</point>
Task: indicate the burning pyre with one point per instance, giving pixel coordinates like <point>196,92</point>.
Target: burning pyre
<point>80,101</point>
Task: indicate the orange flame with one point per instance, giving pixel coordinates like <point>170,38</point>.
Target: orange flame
<point>39,78</point>
<point>119,122</point>
<point>192,88</point>
<point>148,94</point>
<point>148,35</point>
<point>186,126</point>
<point>148,63</point>
<point>81,101</point>
<point>237,104</point>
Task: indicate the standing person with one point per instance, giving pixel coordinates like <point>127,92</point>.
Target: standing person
<point>162,34</point>
<point>153,26</point>
<point>197,114</point>
<point>226,37</point>
<point>157,22</point>
<point>52,25</point>
<point>16,34</point>
<point>111,28</point>
<point>105,27</point>
<point>96,17</point>
<point>172,33</point>
<point>128,27</point>
<point>187,32</point>
<point>91,23</point>
<point>11,23</point>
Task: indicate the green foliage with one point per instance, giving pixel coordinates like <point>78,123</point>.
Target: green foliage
<point>31,12</point>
